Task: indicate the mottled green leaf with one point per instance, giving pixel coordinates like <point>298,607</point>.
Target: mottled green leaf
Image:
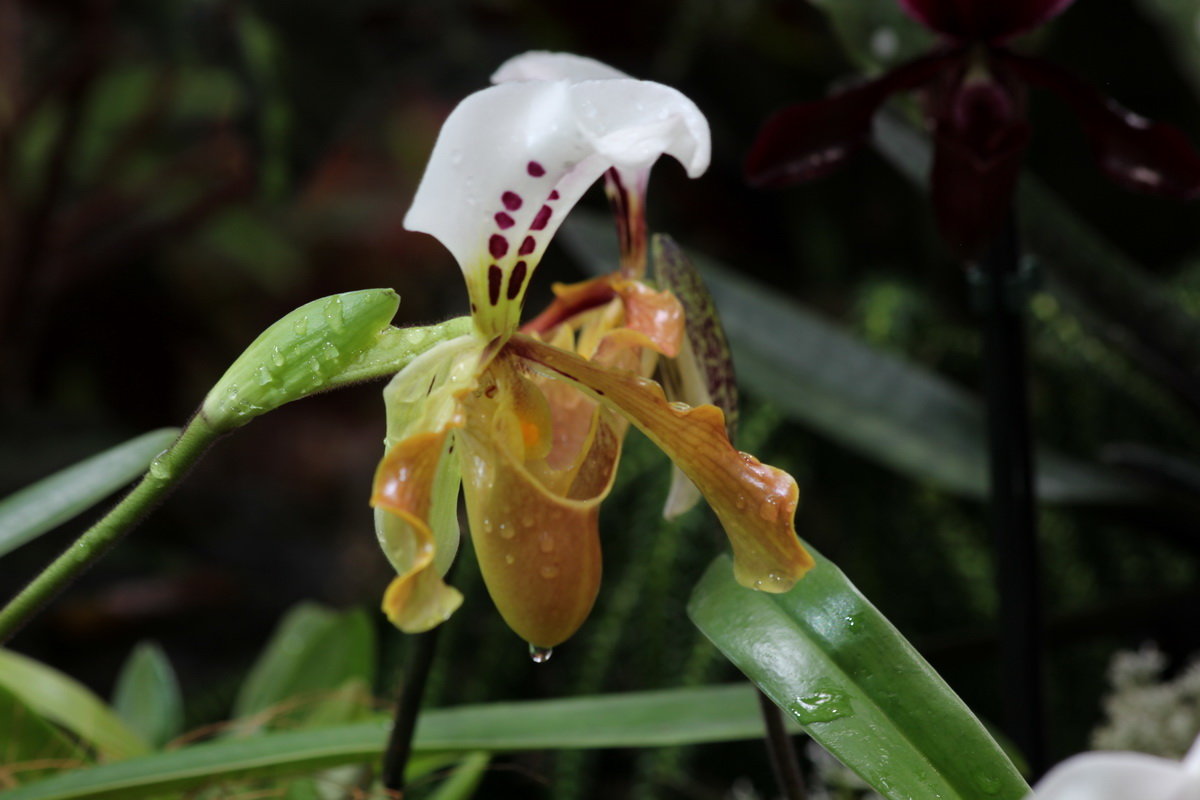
<point>43,506</point>
<point>825,654</point>
<point>147,695</point>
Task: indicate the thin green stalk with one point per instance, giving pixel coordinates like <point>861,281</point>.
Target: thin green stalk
<point>167,470</point>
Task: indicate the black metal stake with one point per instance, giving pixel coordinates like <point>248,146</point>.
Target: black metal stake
<point>399,746</point>
<point>1002,284</point>
<point>781,751</point>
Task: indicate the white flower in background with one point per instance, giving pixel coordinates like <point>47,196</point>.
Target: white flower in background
<point>1145,713</point>
<point>1123,776</point>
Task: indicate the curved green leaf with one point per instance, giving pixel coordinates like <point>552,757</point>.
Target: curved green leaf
<point>30,747</point>
<point>639,719</point>
<point>62,700</point>
<point>52,501</point>
<point>824,653</point>
<point>147,695</point>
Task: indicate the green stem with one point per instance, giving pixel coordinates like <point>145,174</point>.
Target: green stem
<point>167,470</point>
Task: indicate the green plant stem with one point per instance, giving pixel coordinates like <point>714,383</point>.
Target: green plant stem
<point>167,470</point>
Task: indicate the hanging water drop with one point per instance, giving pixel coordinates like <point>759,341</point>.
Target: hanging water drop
<point>277,357</point>
<point>300,326</point>
<point>265,378</point>
<point>540,655</point>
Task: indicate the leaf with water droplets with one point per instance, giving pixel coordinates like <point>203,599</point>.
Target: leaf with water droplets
<point>321,345</point>
<point>824,653</point>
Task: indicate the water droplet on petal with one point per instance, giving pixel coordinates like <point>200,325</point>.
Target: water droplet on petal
<point>507,531</point>
<point>740,502</point>
<point>540,655</point>
<point>277,357</point>
<point>510,559</point>
<point>330,351</point>
<point>768,510</point>
<point>548,572</point>
<point>546,543</point>
<point>265,378</point>
<point>300,326</point>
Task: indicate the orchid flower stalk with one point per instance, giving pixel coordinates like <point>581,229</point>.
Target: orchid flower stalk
<point>530,422</point>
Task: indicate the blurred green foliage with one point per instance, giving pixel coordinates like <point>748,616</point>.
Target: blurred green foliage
<point>176,176</point>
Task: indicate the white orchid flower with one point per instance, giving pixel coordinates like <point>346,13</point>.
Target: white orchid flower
<point>1122,776</point>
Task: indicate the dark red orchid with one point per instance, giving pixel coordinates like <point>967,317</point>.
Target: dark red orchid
<point>973,88</point>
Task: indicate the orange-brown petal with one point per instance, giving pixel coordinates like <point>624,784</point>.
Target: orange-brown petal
<point>756,503</point>
<point>417,598</point>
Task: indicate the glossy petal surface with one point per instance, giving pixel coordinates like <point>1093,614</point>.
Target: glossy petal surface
<point>512,159</point>
<point>534,523</point>
<point>756,503</point>
<point>983,20</point>
<point>810,140</point>
<point>1137,153</point>
<point>1117,776</point>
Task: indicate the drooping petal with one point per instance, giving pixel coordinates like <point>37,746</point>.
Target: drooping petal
<point>1137,153</point>
<point>512,159</point>
<point>535,526</point>
<point>417,599</point>
<point>1117,776</point>
<point>756,503</point>
<point>810,140</point>
<point>983,20</point>
<point>416,485</point>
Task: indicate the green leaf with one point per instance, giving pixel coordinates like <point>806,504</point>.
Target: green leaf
<point>639,719</point>
<point>30,747</point>
<point>882,406</point>
<point>52,501</point>
<point>315,670</point>
<point>321,345</point>
<point>1177,22</point>
<point>824,653</point>
<point>465,779</point>
<point>147,695</point>
<point>65,702</point>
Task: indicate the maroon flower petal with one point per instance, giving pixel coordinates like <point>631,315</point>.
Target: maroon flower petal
<point>979,142</point>
<point>811,140</point>
<point>972,196</point>
<point>983,20</point>
<point>1137,153</point>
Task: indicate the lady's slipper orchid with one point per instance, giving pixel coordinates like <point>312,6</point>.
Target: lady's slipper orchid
<point>1121,776</point>
<point>974,92</point>
<point>531,422</point>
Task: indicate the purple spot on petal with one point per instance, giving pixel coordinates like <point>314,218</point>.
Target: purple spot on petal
<point>536,169</point>
<point>494,277</point>
<point>503,220</point>
<point>511,200</point>
<point>543,216</point>
<point>554,195</point>
<point>527,246</point>
<point>515,280</point>
<point>497,245</point>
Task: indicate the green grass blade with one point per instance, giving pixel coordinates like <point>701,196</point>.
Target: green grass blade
<point>62,700</point>
<point>825,654</point>
<point>641,719</point>
<point>52,501</point>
